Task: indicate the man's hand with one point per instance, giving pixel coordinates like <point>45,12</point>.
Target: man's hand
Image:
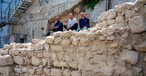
<point>69,27</point>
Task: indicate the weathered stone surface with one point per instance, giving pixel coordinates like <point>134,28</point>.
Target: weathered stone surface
<point>49,39</point>
<point>145,57</point>
<point>56,47</point>
<point>56,72</point>
<point>120,19</point>
<point>47,71</point>
<point>18,70</point>
<point>35,41</point>
<point>141,47</point>
<point>75,73</point>
<point>66,72</point>
<point>4,52</point>
<point>39,71</point>
<point>18,60</point>
<point>31,71</point>
<point>110,14</point>
<point>111,21</point>
<point>35,61</point>
<point>6,60</point>
<point>6,70</point>
<point>102,16</point>
<point>129,56</point>
<point>137,24</point>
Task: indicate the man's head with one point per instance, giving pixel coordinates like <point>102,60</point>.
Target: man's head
<point>71,16</point>
<point>57,18</point>
<point>82,15</point>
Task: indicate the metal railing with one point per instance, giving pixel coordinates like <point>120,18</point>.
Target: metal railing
<point>10,9</point>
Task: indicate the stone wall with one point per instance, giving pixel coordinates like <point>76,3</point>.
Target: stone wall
<point>115,47</point>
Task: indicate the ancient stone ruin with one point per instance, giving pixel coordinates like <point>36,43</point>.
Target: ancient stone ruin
<point>115,47</point>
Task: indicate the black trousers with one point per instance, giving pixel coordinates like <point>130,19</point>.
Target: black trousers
<point>74,27</point>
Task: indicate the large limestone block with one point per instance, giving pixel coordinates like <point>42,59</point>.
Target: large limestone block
<point>120,19</point>
<point>39,46</point>
<point>67,34</point>
<point>123,7</point>
<point>65,42</point>
<point>129,14</point>
<point>6,60</point>
<point>110,14</point>
<point>14,52</point>
<point>6,46</point>
<point>47,71</point>
<point>35,41</point>
<point>76,73</point>
<point>111,21</point>
<point>6,70</point>
<point>102,16</point>
<point>56,72</point>
<point>35,61</point>
<point>49,39</point>
<point>141,47</point>
<point>56,47</point>
<point>4,52</point>
<point>129,56</point>
<point>39,71</point>
<point>18,70</point>
<point>66,72</point>
<point>137,24</point>
<point>18,60</point>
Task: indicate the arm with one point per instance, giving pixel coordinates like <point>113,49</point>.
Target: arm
<point>87,23</point>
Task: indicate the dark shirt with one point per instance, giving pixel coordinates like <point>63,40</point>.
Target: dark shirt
<point>60,26</point>
<point>84,22</point>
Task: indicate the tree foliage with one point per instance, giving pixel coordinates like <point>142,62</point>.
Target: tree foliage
<point>91,3</point>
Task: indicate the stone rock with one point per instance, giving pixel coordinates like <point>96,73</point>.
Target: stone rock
<point>57,34</point>
<point>67,34</point>
<point>35,61</point>
<point>18,70</point>
<point>123,7</point>
<point>39,71</point>
<point>102,16</point>
<point>14,52</point>
<point>101,25</point>
<point>75,73</point>
<point>6,60</point>
<point>35,41</point>
<point>111,21</point>
<point>47,71</point>
<point>129,14</point>
<point>66,72</point>
<point>110,38</point>
<point>137,24</point>
<point>31,71</point>
<point>77,10</point>
<point>6,47</point>
<point>141,47</point>
<point>137,69</point>
<point>145,57</point>
<point>65,42</point>
<point>46,54</point>
<point>24,69</point>
<point>39,46</point>
<point>49,39</point>
<point>39,54</point>
<point>44,61</point>
<point>46,47</point>
<point>4,52</point>
<point>120,19</point>
<point>56,72</point>
<point>73,64</point>
<point>56,47</point>
<point>18,60</point>
<point>6,70</point>
<point>57,40</point>
<point>129,56</point>
<point>110,14</point>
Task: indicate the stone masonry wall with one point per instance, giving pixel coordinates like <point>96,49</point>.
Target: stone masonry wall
<point>115,47</point>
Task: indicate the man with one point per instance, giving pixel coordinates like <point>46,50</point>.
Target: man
<point>58,26</point>
<point>72,22</point>
<point>84,22</point>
